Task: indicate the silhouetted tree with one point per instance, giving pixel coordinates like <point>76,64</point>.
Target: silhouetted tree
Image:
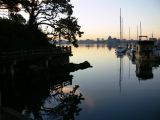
<point>55,15</point>
<point>18,18</point>
<point>15,35</point>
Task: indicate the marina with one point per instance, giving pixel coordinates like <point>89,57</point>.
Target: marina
<point>117,87</point>
<point>79,60</point>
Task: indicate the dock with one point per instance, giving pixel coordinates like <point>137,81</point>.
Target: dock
<point>20,55</point>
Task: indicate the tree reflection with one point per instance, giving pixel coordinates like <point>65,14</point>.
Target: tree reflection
<point>43,94</point>
<point>58,105</point>
<point>67,106</point>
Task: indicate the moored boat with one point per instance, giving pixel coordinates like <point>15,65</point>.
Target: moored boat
<point>120,49</point>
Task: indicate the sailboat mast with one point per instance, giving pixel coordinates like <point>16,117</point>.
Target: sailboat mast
<point>137,32</point>
<point>120,25</point>
<point>122,28</point>
<point>140,29</point>
<point>129,33</point>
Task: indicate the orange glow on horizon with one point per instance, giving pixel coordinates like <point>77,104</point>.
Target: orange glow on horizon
<point>125,36</point>
<point>102,18</point>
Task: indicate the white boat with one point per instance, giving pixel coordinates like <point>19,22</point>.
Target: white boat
<point>120,49</point>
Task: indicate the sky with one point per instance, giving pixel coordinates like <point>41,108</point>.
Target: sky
<point>100,18</point>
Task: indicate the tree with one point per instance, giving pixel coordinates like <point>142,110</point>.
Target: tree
<point>54,15</point>
<point>18,18</point>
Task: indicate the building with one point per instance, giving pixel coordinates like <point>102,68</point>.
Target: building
<point>144,49</point>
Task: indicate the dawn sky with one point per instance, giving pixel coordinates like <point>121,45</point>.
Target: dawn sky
<point>100,18</point>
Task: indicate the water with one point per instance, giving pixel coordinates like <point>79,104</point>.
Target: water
<point>115,88</point>
<point>111,94</point>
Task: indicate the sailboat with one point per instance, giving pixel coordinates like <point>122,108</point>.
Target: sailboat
<point>120,49</point>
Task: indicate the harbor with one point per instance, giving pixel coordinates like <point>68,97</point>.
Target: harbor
<point>121,87</point>
<point>79,60</point>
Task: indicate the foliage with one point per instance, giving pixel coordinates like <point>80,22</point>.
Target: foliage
<point>18,18</point>
<point>18,36</point>
<point>54,15</point>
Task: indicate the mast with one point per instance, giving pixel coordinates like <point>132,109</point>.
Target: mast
<point>120,25</point>
<point>140,29</point>
<point>129,33</point>
<point>137,32</point>
<point>121,58</point>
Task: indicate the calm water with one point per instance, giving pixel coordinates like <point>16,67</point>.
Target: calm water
<point>111,94</point>
<point>111,89</point>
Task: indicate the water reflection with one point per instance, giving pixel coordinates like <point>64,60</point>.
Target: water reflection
<point>120,57</point>
<point>123,97</point>
<point>93,45</point>
<point>42,94</point>
<point>145,62</point>
<point>144,68</point>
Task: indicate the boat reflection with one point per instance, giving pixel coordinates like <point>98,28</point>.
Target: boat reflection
<point>145,60</point>
<point>120,56</point>
<point>144,67</point>
<point>42,94</point>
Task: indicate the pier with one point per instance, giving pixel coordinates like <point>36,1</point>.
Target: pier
<point>35,58</point>
<point>20,55</point>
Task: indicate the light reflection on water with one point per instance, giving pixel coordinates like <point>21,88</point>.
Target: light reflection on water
<point>111,95</point>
